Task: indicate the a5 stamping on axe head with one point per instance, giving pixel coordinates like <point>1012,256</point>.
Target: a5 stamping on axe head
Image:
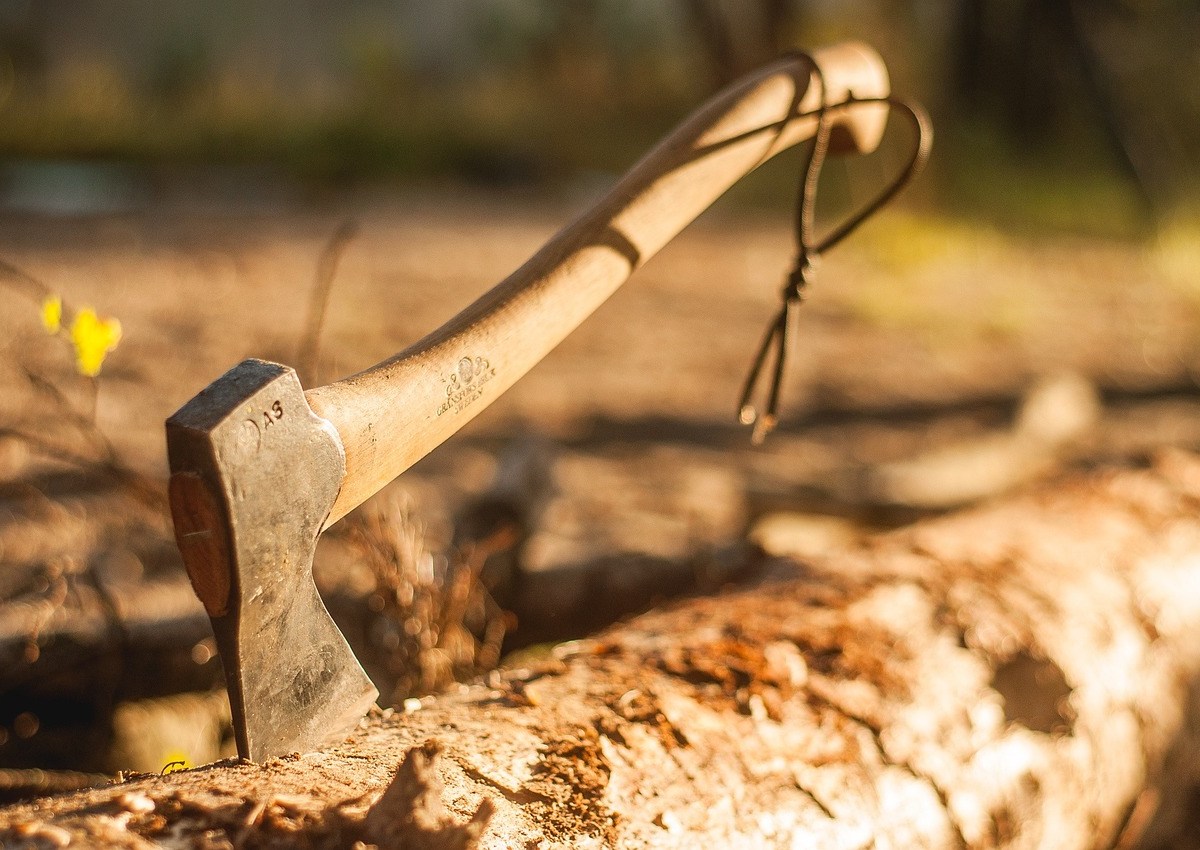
<point>260,467</point>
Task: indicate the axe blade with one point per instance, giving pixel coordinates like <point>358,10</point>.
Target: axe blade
<point>254,475</point>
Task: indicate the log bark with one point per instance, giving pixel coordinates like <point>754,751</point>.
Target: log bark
<point>1020,675</point>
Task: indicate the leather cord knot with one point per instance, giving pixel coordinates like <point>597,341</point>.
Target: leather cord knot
<point>781,331</point>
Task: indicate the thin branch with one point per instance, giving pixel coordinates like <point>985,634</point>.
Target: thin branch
<point>318,302</point>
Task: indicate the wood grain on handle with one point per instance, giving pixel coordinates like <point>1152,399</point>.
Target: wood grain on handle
<point>394,413</point>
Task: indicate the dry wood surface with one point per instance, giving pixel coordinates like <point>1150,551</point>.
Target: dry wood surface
<point>1018,675</point>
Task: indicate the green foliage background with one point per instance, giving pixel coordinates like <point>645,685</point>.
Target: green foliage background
<point>540,92</point>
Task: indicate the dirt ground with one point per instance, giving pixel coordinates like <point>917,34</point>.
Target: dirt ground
<point>938,364</point>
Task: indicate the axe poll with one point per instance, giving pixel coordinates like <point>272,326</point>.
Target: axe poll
<point>260,467</point>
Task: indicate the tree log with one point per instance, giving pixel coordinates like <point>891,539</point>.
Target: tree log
<point>1020,675</point>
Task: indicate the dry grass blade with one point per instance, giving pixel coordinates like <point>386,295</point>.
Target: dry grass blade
<point>318,303</point>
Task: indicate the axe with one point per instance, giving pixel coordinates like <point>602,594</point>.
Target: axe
<point>260,467</point>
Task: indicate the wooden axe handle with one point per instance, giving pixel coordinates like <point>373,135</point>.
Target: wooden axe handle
<point>392,414</point>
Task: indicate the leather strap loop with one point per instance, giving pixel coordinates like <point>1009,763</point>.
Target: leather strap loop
<point>779,335</point>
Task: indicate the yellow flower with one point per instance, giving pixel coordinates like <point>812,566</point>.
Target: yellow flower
<point>93,338</point>
<point>176,760</point>
<point>52,314</point>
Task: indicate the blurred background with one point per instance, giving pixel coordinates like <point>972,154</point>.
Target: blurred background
<point>1070,114</point>
<point>322,183</point>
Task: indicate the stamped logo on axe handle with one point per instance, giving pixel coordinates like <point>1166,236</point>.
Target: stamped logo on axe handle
<point>261,467</point>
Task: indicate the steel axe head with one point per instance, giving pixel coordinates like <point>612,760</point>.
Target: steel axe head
<point>254,473</point>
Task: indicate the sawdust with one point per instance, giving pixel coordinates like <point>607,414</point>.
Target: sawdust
<point>777,645</point>
<point>408,813</point>
<point>571,776</point>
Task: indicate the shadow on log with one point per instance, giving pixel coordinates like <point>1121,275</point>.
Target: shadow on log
<point>1020,675</point>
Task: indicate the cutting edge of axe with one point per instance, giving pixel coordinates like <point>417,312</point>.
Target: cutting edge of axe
<point>260,467</point>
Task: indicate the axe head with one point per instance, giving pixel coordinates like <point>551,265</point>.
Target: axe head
<point>254,473</point>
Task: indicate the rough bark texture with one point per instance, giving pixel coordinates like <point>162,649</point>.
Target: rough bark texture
<point>1020,675</point>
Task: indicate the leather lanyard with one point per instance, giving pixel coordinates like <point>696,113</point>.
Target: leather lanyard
<point>780,333</point>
